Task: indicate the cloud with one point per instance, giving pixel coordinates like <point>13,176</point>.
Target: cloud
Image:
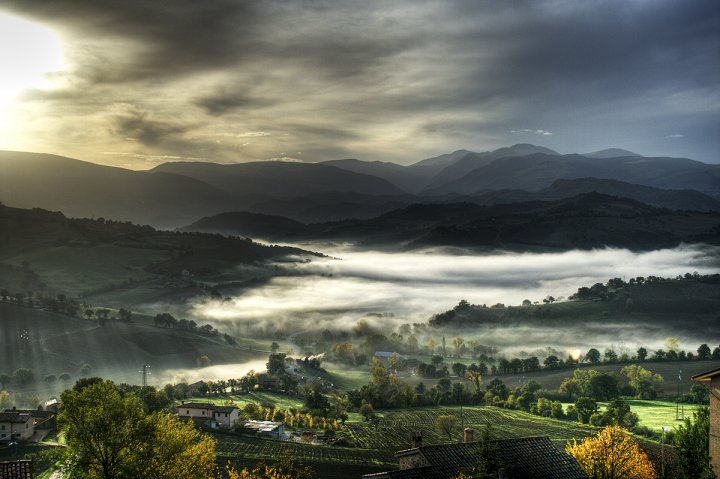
<point>676,135</point>
<point>383,81</point>
<point>534,132</point>
<point>133,124</point>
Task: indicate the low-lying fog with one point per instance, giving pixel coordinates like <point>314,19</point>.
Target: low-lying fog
<point>411,287</point>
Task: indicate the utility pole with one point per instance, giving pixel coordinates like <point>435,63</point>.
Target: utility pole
<point>145,374</point>
<point>679,403</point>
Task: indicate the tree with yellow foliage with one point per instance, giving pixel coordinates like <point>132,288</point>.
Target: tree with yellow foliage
<point>612,454</point>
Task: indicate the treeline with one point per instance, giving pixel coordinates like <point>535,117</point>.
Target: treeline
<point>587,387</point>
<point>615,288</point>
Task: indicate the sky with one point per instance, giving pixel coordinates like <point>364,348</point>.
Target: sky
<point>137,83</point>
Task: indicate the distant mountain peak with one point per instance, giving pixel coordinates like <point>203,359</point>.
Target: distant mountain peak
<point>610,153</point>
<point>523,149</point>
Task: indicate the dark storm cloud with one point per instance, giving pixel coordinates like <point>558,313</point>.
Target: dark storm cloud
<point>137,125</point>
<point>429,76</point>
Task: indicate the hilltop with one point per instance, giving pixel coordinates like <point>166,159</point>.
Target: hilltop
<point>80,256</point>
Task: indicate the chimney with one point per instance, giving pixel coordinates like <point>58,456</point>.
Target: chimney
<point>417,439</point>
<point>469,435</point>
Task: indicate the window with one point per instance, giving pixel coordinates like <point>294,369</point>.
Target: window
<point>187,412</point>
<point>4,435</point>
<point>3,427</point>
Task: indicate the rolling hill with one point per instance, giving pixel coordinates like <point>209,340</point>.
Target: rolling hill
<point>85,257</point>
<point>671,199</point>
<point>585,221</point>
<point>58,343</point>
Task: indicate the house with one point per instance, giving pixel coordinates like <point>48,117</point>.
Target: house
<point>16,469</point>
<point>16,426</point>
<point>519,458</point>
<point>712,380</point>
<point>217,416</point>
<point>41,419</point>
<point>272,429</point>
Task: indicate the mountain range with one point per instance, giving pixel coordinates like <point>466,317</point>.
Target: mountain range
<point>175,194</point>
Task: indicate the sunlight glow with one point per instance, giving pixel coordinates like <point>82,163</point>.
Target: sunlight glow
<point>28,52</point>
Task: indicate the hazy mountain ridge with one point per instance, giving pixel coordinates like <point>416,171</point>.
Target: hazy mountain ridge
<point>280,179</point>
<point>84,189</point>
<point>177,194</point>
<point>585,221</point>
<point>537,171</point>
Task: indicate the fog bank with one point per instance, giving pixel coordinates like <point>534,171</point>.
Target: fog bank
<point>411,287</point>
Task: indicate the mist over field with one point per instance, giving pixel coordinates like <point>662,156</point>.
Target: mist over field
<point>387,290</point>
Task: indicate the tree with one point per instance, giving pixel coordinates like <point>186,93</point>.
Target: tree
<point>366,410</point>
<point>704,352</point>
<point>571,387</point>
<point>203,361</point>
<point>642,380</point>
<point>585,408</point>
<point>612,454</point>
<point>125,315</point>
<point>672,344</point>
<point>551,362</point>
<point>692,442</point>
<point>593,356</point>
<point>610,355</point>
<point>457,344</point>
<point>176,450</point>
<point>109,436</point>
<point>617,413</point>
<point>445,425</point>
<point>274,347</point>
<point>101,428</point>
<point>642,354</point>
<point>4,380</point>
<point>475,377</point>
<point>459,369</point>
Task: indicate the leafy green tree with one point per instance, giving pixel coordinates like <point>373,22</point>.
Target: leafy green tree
<point>642,354</point>
<point>593,356</point>
<point>459,369</point>
<point>109,436</point>
<point>692,442</point>
<point>704,352</point>
<point>617,413</point>
<point>585,408</point>
<point>642,380</point>
<point>102,428</point>
<point>571,387</point>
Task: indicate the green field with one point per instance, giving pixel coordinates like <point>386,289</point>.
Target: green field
<point>655,414</point>
<point>283,401</point>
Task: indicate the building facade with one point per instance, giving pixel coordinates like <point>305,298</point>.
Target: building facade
<point>16,426</point>
<point>711,380</point>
